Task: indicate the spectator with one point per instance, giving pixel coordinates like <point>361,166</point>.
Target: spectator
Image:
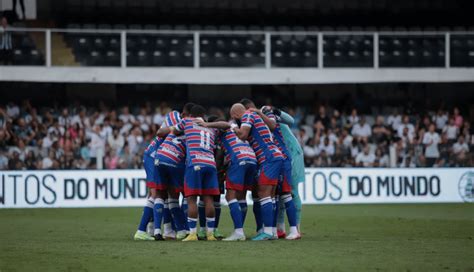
<point>458,119</point>
<point>64,120</point>
<point>13,111</point>
<point>322,117</point>
<point>365,158</point>
<point>451,131</point>
<point>394,120</point>
<point>15,163</point>
<point>116,141</point>
<point>353,118</point>
<point>48,161</point>
<point>410,129</point>
<point>440,119</point>
<point>380,133</point>
<point>97,146</point>
<point>361,130</point>
<point>381,158</point>
<point>31,161</point>
<point>76,133</point>
<point>6,43</point>
<point>460,150</point>
<point>3,160</point>
<point>327,146</point>
<point>431,140</point>
<point>112,160</point>
<point>126,117</point>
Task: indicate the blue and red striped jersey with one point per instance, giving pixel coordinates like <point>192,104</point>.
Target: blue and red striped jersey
<point>172,151</point>
<point>200,143</point>
<point>172,118</point>
<point>235,150</point>
<point>278,136</point>
<point>150,150</point>
<point>260,138</point>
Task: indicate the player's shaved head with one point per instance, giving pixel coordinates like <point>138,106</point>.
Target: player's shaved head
<point>237,111</point>
<point>247,103</point>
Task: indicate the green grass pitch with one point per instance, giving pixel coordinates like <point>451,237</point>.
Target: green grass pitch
<point>438,237</point>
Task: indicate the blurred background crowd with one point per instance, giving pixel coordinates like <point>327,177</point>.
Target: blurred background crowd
<point>106,137</point>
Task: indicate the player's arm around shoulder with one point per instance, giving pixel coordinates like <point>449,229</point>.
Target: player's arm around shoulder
<point>267,117</point>
<point>242,132</point>
<point>218,125</point>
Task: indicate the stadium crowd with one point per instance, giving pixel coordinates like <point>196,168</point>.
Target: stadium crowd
<point>75,137</point>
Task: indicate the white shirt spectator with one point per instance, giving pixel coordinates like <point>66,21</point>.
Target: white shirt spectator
<point>97,143</point>
<point>76,119</point>
<point>158,118</point>
<point>353,119</point>
<point>46,163</point>
<point>134,142</point>
<point>64,121</point>
<point>144,119</point>
<point>58,130</point>
<point>13,111</point>
<point>347,141</point>
<point>127,118</point>
<point>451,132</point>
<point>106,131</point>
<point>394,121</point>
<point>332,138</point>
<point>359,130</point>
<point>431,140</point>
<point>383,161</point>
<point>47,142</point>
<point>329,149</point>
<point>3,162</point>
<point>116,143</point>
<point>28,118</point>
<point>21,153</point>
<point>440,120</point>
<point>366,159</point>
<point>411,130</point>
<point>460,148</point>
<point>126,129</point>
<point>310,151</point>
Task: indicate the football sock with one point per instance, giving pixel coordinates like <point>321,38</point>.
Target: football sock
<point>167,220</point>
<point>243,209</point>
<point>184,209</point>
<point>217,207</point>
<point>257,213</point>
<point>158,214</point>
<point>235,213</point>
<point>211,223</point>
<point>266,207</point>
<point>290,209</point>
<point>176,213</point>
<point>202,214</point>
<point>147,214</point>
<point>192,224</point>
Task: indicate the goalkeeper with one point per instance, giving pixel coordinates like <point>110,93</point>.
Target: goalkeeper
<point>297,167</point>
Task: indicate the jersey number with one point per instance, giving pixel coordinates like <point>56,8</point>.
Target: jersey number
<point>205,140</point>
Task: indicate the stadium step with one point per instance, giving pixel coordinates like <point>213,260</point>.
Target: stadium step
<point>61,54</point>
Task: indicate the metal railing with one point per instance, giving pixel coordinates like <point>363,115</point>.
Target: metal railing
<point>322,61</point>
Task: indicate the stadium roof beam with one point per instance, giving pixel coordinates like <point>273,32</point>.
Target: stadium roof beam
<point>232,75</point>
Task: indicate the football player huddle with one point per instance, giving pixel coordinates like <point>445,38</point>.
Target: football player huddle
<point>197,158</point>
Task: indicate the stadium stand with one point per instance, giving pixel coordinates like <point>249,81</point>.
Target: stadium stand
<point>248,50</point>
<point>73,137</point>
